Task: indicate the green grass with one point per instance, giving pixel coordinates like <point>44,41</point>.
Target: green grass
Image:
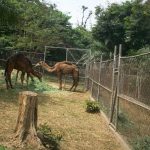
<point>41,87</point>
<point>142,143</point>
<point>2,147</point>
<point>126,126</point>
<point>49,139</point>
<point>92,107</point>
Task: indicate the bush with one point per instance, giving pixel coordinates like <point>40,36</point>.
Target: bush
<point>92,107</point>
<point>49,139</point>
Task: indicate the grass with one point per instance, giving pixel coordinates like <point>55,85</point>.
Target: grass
<point>142,143</point>
<point>92,106</point>
<point>64,113</point>
<point>49,139</point>
<point>2,147</point>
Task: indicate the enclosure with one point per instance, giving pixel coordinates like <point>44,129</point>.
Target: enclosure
<point>51,55</point>
<point>120,85</point>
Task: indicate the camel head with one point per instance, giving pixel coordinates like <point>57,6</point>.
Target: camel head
<point>39,75</point>
<point>39,64</point>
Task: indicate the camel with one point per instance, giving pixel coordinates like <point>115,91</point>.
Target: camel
<point>19,62</point>
<point>62,68</point>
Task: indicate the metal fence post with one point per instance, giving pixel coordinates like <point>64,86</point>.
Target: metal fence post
<point>92,78</point>
<point>99,80</point>
<point>118,85</point>
<point>65,76</point>
<point>112,88</point>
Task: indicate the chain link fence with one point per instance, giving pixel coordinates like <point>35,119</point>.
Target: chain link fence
<point>52,55</point>
<point>122,86</point>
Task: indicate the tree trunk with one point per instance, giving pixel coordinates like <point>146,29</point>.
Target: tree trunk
<point>26,127</point>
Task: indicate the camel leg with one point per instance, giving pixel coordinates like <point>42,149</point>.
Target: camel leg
<point>60,80</point>
<point>7,84</point>
<point>73,83</point>
<point>76,84</point>
<point>28,75</point>
<point>22,77</point>
<point>8,79</point>
<point>16,76</point>
<point>71,87</point>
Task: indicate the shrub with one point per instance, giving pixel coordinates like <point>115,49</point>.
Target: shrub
<point>49,139</point>
<point>92,106</point>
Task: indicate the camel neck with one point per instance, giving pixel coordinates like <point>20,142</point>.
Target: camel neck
<point>48,68</point>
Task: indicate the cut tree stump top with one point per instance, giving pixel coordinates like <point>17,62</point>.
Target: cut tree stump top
<point>28,93</point>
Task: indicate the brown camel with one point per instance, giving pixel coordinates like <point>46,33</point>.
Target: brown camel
<point>21,63</point>
<point>62,68</point>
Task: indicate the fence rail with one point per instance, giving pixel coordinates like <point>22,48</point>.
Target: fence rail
<point>122,86</point>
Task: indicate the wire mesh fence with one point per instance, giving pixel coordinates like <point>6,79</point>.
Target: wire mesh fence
<point>33,56</point>
<point>122,86</point>
<point>52,55</point>
<point>78,57</point>
<point>135,77</point>
<point>123,90</point>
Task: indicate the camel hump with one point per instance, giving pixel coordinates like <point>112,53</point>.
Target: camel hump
<point>17,55</point>
<point>68,63</point>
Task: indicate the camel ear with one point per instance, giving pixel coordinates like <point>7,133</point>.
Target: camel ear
<point>36,65</point>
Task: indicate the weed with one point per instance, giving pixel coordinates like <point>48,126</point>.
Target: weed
<point>142,143</point>
<point>49,139</point>
<point>2,147</point>
<point>92,106</point>
<point>124,122</point>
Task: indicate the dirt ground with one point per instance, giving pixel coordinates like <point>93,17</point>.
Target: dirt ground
<point>64,112</point>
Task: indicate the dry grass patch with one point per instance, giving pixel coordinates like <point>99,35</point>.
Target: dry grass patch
<point>65,113</point>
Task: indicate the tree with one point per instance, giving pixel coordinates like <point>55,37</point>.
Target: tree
<point>127,24</point>
<point>8,12</point>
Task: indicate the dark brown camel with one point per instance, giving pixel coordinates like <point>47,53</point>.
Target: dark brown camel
<point>21,63</point>
<point>22,77</point>
<point>62,68</point>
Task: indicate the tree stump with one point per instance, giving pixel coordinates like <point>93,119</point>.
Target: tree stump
<point>26,127</point>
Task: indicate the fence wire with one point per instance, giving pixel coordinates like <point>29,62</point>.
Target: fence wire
<point>135,77</point>
<point>132,119</point>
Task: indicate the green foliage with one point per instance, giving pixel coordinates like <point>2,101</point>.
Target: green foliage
<point>2,147</point>
<point>124,120</point>
<point>127,24</point>
<point>41,86</point>
<point>142,143</point>
<point>92,107</point>
<point>41,24</point>
<point>125,125</point>
<point>81,38</point>
<point>48,138</point>
<point>9,14</point>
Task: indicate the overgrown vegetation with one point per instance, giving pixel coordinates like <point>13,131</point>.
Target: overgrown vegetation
<point>142,143</point>
<point>30,25</point>
<point>92,107</point>
<point>49,139</point>
<point>127,24</point>
<point>2,147</point>
<point>124,122</point>
<point>41,87</point>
